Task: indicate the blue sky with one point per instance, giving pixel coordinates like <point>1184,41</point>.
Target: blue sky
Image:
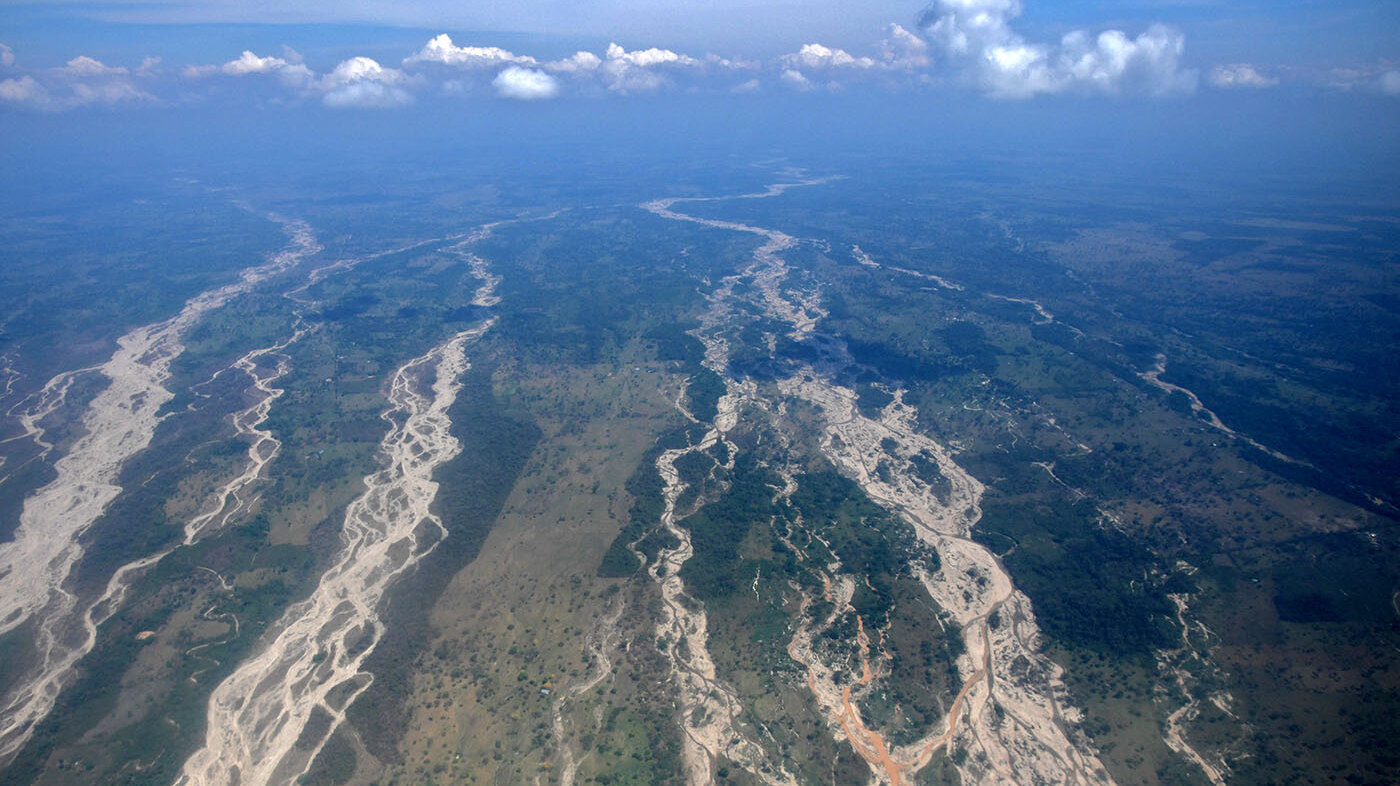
<point>1306,29</point>
<point>383,55</point>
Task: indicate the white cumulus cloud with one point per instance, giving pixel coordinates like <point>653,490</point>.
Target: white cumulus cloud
<point>361,69</point>
<point>903,50</point>
<point>288,69</point>
<point>796,80</point>
<point>86,66</point>
<point>367,95</point>
<point>642,70</point>
<point>970,42</point>
<point>441,50</point>
<point>579,63</point>
<point>1113,62</point>
<point>362,83</point>
<point>900,57</point>
<point>82,82</point>
<point>1240,75</point>
<point>25,90</point>
<point>525,84</point>
<point>976,36</point>
<point>819,56</point>
<point>249,63</point>
<point>645,58</point>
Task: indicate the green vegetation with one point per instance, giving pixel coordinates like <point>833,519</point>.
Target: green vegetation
<point>1099,486</point>
<point>635,748</point>
<point>673,341</point>
<point>703,392</point>
<point>181,581</point>
<point>77,272</point>
<point>496,441</point>
<point>741,570</point>
<point>869,542</point>
<point>719,530</point>
<point>646,488</point>
<point>1093,586</point>
<point>871,399</point>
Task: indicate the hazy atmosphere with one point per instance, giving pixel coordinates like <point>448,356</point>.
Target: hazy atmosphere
<point>984,392</point>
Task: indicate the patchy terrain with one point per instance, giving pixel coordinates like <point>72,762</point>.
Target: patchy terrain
<point>838,479</point>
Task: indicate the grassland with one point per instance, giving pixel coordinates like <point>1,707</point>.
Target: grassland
<point>1171,565</point>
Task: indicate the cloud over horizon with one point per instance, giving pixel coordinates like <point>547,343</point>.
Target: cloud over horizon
<point>957,45</point>
<point>362,83</point>
<point>1240,75</point>
<point>355,83</point>
<point>288,69</point>
<point>82,81</point>
<point>525,84</point>
<point>442,51</point>
<point>976,38</point>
